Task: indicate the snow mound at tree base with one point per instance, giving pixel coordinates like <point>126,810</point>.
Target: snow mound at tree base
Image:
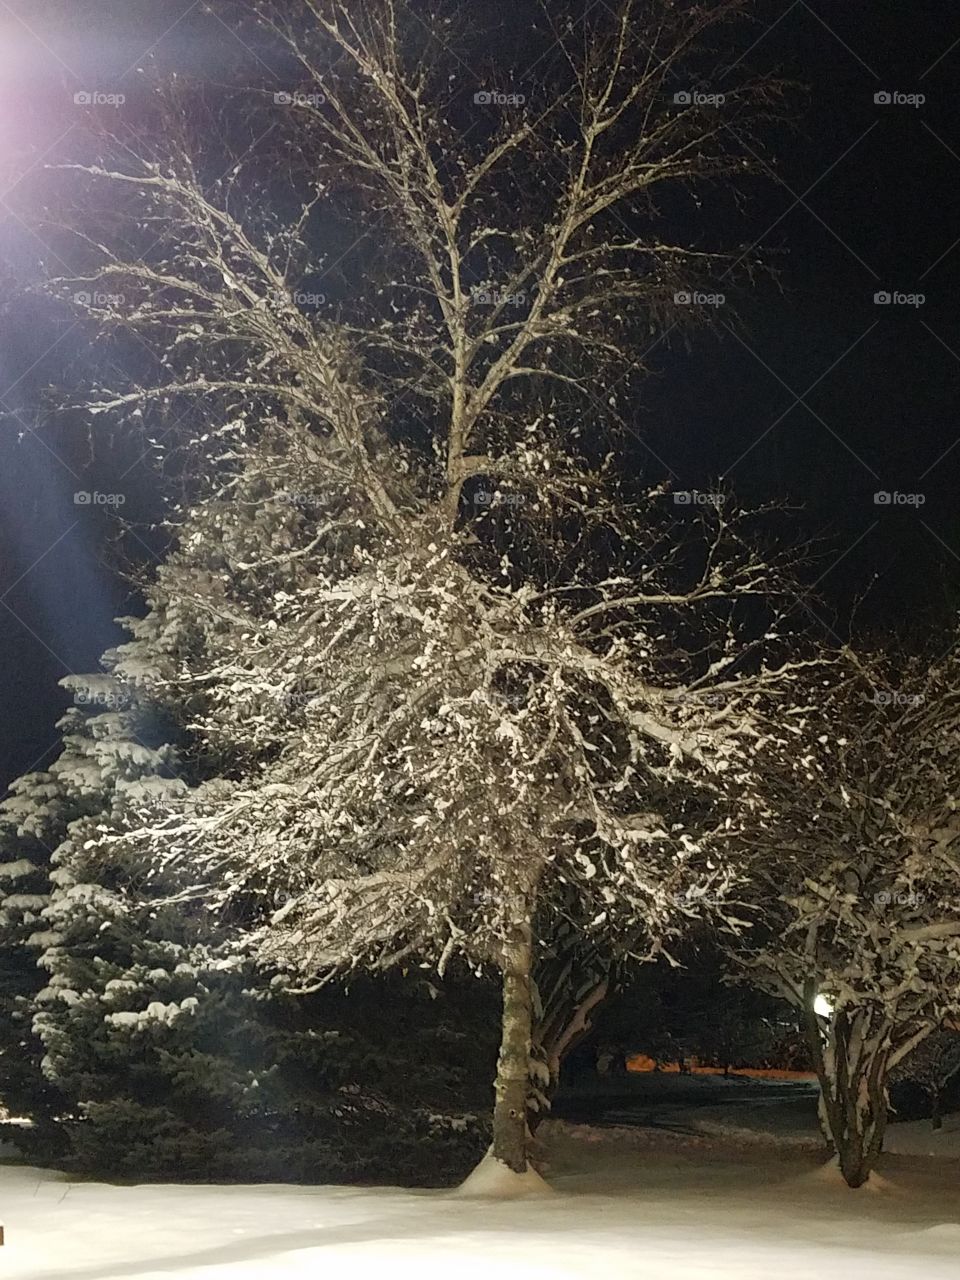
<point>830,1174</point>
<point>493,1178</point>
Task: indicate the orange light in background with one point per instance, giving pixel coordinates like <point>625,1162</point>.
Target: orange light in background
<point>640,1063</point>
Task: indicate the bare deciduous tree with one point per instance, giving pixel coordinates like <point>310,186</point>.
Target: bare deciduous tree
<point>461,666</point>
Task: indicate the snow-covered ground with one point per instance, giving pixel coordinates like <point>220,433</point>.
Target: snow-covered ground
<point>740,1108</point>
<point>625,1203</point>
<point>783,1122</point>
<point>786,1114</point>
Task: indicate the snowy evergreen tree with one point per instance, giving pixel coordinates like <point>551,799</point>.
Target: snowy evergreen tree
<point>453,666</point>
<point>163,1053</point>
<point>45,821</point>
<point>29,826</point>
<point>98,755</point>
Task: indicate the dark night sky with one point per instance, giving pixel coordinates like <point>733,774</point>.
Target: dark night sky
<point>821,398</point>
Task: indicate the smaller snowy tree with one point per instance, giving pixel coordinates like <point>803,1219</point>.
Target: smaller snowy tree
<point>931,1066</point>
<point>857,883</point>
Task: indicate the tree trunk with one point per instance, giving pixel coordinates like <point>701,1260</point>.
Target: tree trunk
<point>559,1041</point>
<point>567,1000</point>
<point>852,1070</point>
<point>860,1137</point>
<point>936,1110</point>
<point>510,1131</point>
<point>824,1124</point>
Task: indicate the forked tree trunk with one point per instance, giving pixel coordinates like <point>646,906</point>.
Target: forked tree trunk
<point>852,1066</point>
<point>559,1032</point>
<point>861,1121</point>
<point>510,1132</point>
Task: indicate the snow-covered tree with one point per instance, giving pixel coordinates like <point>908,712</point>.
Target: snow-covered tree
<point>857,883</point>
<point>30,826</point>
<point>460,671</point>
<point>436,758</point>
<point>100,755</point>
<point>932,1065</point>
<point>155,1050</point>
<point>45,820</point>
